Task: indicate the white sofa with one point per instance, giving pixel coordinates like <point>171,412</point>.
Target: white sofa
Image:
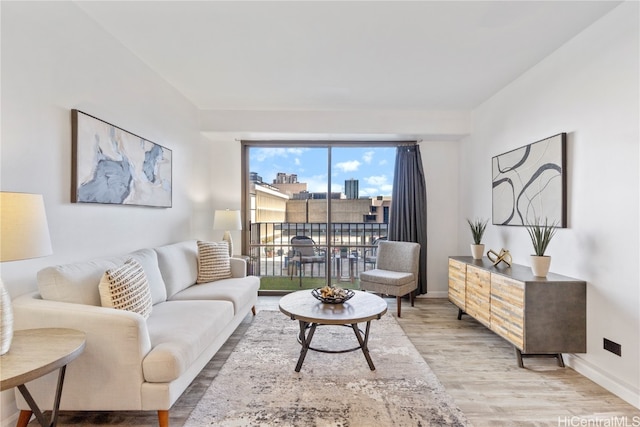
<point>130,363</point>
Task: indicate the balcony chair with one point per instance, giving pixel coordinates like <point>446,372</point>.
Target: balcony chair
<point>304,252</point>
<point>396,271</point>
<point>370,254</point>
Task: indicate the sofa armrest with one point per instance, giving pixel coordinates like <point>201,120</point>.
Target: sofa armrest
<point>108,374</point>
<point>238,267</point>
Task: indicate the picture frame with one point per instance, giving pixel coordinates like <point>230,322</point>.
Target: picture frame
<point>113,166</point>
<point>529,184</point>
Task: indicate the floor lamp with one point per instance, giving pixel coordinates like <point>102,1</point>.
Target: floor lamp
<point>227,220</point>
<point>24,234</point>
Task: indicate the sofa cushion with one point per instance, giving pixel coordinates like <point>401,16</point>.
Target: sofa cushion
<point>179,332</point>
<point>149,261</point>
<point>78,282</point>
<point>75,283</point>
<point>213,261</point>
<point>240,291</point>
<point>126,288</point>
<point>178,264</point>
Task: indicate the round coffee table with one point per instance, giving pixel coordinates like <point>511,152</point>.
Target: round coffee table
<point>309,312</point>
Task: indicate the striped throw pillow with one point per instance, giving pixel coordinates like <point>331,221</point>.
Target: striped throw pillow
<point>126,288</point>
<point>213,261</point>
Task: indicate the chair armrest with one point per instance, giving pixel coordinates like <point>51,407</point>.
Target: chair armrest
<point>110,367</point>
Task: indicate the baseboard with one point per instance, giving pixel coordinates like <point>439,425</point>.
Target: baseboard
<point>435,294</point>
<point>621,389</point>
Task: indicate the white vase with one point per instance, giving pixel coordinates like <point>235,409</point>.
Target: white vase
<point>540,265</point>
<point>477,251</point>
<point>6,320</point>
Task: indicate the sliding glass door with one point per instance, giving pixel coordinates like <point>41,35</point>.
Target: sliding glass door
<point>314,211</point>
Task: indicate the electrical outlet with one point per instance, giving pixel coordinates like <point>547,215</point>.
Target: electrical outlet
<point>613,347</point>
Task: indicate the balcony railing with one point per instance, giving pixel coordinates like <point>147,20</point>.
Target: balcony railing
<point>342,251</point>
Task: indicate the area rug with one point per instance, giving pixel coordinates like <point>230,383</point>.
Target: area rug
<point>258,386</point>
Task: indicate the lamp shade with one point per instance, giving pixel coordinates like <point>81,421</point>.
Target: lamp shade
<point>227,220</point>
<point>24,232</point>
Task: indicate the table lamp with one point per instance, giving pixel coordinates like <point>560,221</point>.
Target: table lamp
<point>227,220</point>
<point>24,234</point>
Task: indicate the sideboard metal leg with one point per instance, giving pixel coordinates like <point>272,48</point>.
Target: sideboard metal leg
<point>519,358</point>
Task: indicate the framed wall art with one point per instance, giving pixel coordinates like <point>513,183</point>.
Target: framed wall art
<point>529,184</point>
<point>113,166</point>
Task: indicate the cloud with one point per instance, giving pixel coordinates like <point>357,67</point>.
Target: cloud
<point>369,191</point>
<point>376,180</point>
<point>262,154</point>
<point>368,156</point>
<point>348,166</point>
<point>315,184</point>
<point>386,190</point>
<point>383,162</point>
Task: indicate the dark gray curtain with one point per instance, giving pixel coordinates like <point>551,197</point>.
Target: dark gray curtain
<point>408,216</point>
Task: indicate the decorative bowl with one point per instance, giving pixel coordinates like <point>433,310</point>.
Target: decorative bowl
<point>336,296</point>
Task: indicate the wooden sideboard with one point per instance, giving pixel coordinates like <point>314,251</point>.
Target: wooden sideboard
<point>540,316</point>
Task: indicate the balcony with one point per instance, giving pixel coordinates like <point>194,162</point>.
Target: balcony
<point>341,251</point>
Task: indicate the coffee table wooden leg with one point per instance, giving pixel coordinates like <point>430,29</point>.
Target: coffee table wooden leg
<point>364,343</point>
<point>305,340</point>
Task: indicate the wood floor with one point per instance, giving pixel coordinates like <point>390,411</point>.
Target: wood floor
<point>476,367</point>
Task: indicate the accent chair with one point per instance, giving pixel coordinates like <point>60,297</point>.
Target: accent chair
<point>396,271</point>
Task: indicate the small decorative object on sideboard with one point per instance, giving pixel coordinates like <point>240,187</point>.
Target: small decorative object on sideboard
<point>477,230</point>
<point>541,235</point>
<point>503,256</point>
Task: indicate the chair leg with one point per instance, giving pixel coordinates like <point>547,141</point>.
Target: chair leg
<point>399,303</point>
<point>23,418</point>
<point>412,297</point>
<point>163,418</point>
<point>253,310</point>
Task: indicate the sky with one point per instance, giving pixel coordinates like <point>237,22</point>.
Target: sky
<point>371,166</point>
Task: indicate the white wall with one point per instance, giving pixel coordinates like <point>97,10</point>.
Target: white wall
<point>54,58</point>
<point>440,162</point>
<point>588,88</point>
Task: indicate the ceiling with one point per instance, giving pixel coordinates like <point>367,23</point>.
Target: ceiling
<point>340,55</point>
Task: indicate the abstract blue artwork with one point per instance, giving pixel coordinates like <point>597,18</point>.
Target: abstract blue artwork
<point>529,184</point>
<point>113,166</point>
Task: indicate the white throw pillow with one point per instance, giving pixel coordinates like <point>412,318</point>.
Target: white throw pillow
<point>126,288</point>
<point>213,261</point>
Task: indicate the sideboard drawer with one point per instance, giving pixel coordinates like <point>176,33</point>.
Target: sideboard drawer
<point>507,311</point>
<point>478,294</point>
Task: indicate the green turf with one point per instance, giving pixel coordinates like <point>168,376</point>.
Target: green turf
<point>284,283</point>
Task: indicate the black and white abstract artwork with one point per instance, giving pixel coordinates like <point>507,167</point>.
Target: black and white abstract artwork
<point>113,166</point>
<point>529,184</point>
